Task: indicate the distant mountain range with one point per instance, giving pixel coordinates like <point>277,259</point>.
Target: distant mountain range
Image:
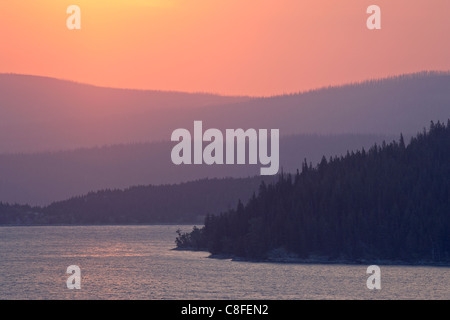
<point>42,178</point>
<point>60,139</point>
<point>46,114</point>
<point>42,114</point>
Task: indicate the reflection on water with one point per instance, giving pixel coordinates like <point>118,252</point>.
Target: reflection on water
<point>136,262</point>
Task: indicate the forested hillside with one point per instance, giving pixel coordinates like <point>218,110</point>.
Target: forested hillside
<point>186,202</point>
<point>390,202</point>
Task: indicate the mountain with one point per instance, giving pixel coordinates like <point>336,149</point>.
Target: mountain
<point>59,138</point>
<point>381,106</point>
<point>42,178</point>
<point>390,203</point>
<point>186,202</point>
<point>44,114</point>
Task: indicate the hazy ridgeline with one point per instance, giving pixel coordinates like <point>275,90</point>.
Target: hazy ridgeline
<point>41,178</point>
<point>46,114</point>
<point>42,114</point>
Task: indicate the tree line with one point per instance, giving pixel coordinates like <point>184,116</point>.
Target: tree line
<point>187,202</point>
<point>390,202</point>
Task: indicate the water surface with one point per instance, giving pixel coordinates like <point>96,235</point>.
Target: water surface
<point>136,262</point>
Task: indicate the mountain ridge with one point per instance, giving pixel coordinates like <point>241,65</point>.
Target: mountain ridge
<point>57,117</point>
<point>41,178</point>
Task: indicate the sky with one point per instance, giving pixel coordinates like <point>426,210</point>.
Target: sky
<point>232,47</point>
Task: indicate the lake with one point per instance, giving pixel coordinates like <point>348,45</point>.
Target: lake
<point>136,262</point>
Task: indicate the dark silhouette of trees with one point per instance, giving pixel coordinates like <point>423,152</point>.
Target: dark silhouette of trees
<point>187,202</point>
<point>390,202</point>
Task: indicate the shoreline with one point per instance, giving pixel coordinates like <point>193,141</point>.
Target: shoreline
<point>321,261</point>
<point>100,224</point>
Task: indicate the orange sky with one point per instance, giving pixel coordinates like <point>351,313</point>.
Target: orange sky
<point>251,47</point>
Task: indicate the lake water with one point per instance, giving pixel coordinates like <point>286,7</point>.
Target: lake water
<point>136,262</point>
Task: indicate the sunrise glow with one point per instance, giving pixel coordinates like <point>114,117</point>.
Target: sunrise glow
<point>229,47</point>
